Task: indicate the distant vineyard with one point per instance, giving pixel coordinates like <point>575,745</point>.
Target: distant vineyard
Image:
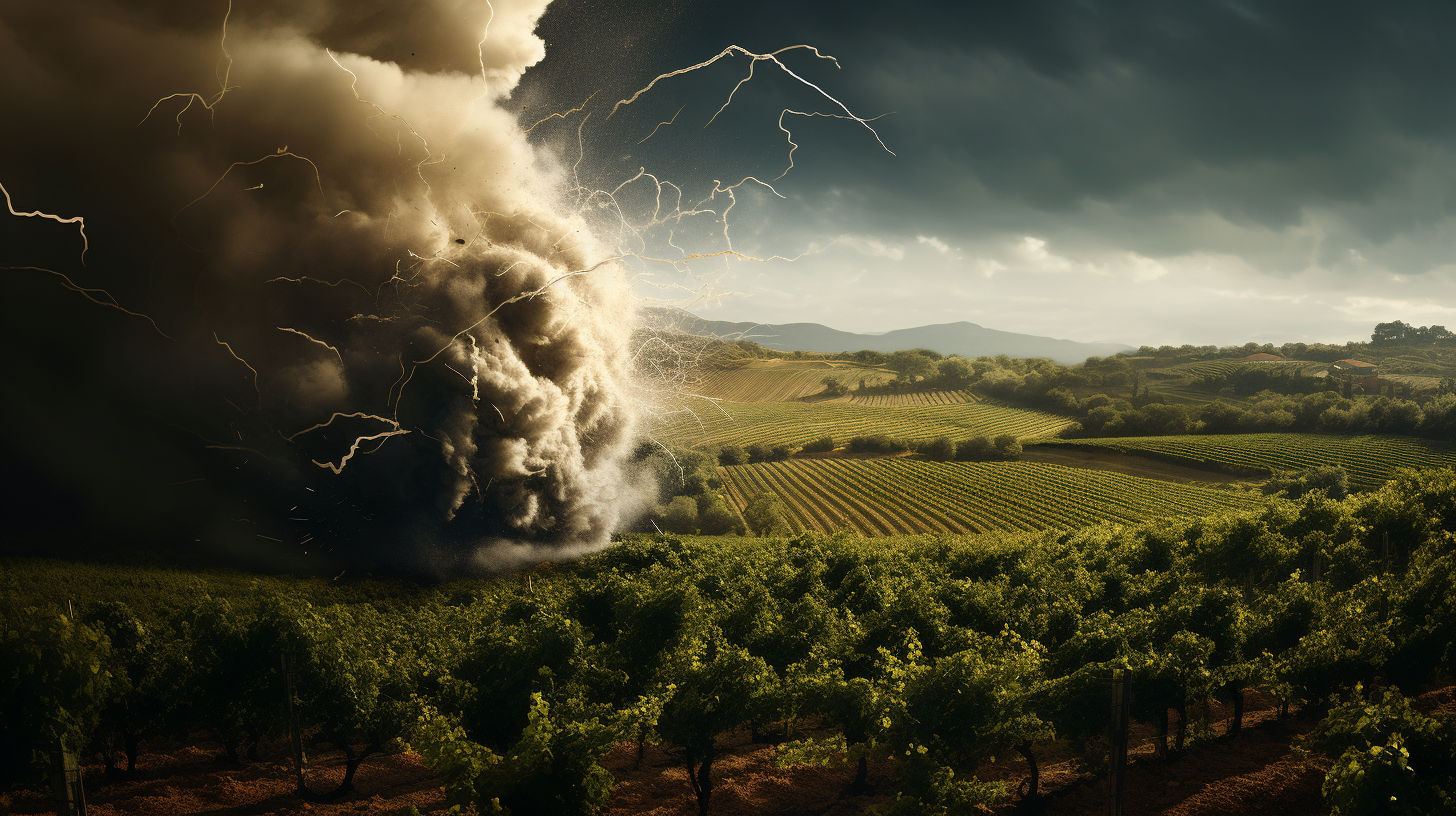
<point>1224,368</point>
<point>895,496</point>
<point>1369,459</point>
<point>779,381</point>
<point>915,398</point>
<point>794,423</point>
<point>1180,395</point>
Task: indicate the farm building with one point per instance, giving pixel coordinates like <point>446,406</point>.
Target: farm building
<point>1262,357</point>
<point>1354,368</point>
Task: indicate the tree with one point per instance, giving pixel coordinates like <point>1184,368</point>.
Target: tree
<point>913,365</point>
<point>939,449</point>
<point>732,455</point>
<point>955,373</point>
<point>1007,446</point>
<point>681,515</point>
<point>717,518</point>
<point>766,515</point>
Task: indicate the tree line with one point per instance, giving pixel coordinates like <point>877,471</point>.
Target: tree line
<point>934,653</point>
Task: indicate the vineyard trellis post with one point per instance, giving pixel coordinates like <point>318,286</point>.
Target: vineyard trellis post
<point>1117,764</point>
<point>294,735</point>
<point>66,783</point>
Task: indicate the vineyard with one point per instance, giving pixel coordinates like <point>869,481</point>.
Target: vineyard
<point>1369,459</point>
<point>1223,368</point>
<point>946,673</point>
<point>917,398</point>
<point>790,423</point>
<point>779,380</point>
<point>900,496</point>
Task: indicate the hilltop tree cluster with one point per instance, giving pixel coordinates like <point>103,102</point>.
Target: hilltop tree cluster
<point>1401,333</point>
<point>1324,412</point>
<point>933,654</point>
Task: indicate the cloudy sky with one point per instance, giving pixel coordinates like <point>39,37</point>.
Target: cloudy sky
<point>1143,172</point>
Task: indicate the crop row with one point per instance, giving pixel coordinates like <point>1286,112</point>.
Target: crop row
<point>783,383</point>
<point>912,399</point>
<point>1223,368</point>
<point>899,496</point>
<point>1369,459</point>
<point>793,423</point>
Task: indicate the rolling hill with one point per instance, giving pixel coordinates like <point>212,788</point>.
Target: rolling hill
<point>962,338</point>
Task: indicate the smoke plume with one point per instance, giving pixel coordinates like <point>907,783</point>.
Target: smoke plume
<point>332,306</point>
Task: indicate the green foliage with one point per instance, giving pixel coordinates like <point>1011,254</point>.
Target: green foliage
<point>681,515</point>
<point>939,449</point>
<point>820,445</point>
<point>54,682</point>
<point>1388,758</point>
<point>934,652</point>
<point>765,514</point>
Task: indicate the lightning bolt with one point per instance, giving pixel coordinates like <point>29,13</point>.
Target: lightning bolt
<point>222,343</point>
<point>195,98</point>
<point>312,340</point>
<point>77,220</point>
<point>90,294</point>
<point>755,58</point>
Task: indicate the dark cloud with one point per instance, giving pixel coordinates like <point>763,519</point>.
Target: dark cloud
<point>1270,141</point>
<point>1048,105</point>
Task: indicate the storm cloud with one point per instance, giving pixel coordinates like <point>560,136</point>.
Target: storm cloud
<point>1278,172</point>
<point>333,308</point>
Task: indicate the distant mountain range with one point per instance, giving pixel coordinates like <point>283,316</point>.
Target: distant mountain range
<point>964,339</point>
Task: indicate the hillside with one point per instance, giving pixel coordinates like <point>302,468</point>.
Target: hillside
<point>961,338</point>
<point>794,423</point>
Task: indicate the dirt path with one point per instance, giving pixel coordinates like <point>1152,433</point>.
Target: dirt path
<point>1134,465</point>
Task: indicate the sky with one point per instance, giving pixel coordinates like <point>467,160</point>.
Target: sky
<point>1139,172</point>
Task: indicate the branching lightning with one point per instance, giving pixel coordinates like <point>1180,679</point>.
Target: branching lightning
<point>222,343</point>
<point>90,294</point>
<point>195,98</point>
<point>562,114</point>
<point>79,221</point>
<point>772,56</point>
<point>282,153</point>
<point>313,340</point>
<point>663,124</point>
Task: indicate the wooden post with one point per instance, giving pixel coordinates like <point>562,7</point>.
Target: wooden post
<point>293,733</point>
<point>66,784</point>
<point>1117,766</point>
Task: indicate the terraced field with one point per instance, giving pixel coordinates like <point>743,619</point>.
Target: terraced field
<point>1369,459</point>
<point>917,398</point>
<point>894,496</point>
<point>780,380</point>
<point>794,423</point>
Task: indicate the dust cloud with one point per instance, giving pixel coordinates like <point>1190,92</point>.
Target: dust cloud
<point>334,309</point>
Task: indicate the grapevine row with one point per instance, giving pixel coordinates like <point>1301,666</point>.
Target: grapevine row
<point>899,495</point>
<point>1369,459</point>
